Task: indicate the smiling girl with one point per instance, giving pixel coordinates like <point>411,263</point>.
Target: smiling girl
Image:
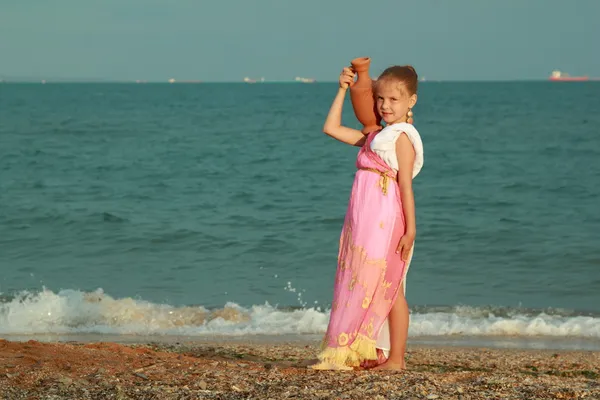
<point>369,318</point>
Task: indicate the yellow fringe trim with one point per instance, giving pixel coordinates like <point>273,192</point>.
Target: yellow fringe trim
<point>361,349</point>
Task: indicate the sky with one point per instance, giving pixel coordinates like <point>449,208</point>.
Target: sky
<point>227,40</point>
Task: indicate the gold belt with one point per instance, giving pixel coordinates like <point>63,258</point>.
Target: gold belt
<point>383,178</point>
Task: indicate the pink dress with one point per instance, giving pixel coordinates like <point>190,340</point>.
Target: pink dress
<point>369,272</point>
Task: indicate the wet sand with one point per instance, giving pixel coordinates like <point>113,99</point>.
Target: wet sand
<point>237,370</point>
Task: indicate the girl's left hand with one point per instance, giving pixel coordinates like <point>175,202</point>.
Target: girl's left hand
<point>405,245</point>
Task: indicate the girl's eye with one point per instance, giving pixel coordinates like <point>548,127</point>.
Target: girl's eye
<point>394,99</point>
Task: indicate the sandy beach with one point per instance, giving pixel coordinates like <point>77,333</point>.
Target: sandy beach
<point>222,370</point>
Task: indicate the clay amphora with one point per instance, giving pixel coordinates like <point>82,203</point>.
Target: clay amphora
<point>361,96</point>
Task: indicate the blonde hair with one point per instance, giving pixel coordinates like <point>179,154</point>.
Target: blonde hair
<point>405,74</point>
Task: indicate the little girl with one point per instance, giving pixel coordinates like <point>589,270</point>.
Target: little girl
<point>368,325</point>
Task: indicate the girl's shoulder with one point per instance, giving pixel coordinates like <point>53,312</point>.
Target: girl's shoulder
<point>389,135</point>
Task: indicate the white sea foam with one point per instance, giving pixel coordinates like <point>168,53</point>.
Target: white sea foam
<point>72,311</point>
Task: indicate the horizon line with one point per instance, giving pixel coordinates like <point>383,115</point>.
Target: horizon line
<point>196,82</point>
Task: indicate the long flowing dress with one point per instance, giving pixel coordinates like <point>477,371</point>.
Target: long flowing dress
<point>369,271</point>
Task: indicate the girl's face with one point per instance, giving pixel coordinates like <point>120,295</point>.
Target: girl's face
<point>393,101</point>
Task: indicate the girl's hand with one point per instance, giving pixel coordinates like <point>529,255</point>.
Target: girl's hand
<point>346,78</point>
<point>405,245</point>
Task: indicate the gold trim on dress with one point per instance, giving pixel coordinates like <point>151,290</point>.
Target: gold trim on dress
<point>384,178</point>
<point>347,356</point>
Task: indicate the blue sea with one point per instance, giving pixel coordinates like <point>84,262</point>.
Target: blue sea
<point>214,210</point>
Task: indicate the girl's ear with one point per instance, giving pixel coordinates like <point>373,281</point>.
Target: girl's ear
<point>413,100</point>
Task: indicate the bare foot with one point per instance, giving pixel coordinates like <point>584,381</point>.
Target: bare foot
<point>390,366</point>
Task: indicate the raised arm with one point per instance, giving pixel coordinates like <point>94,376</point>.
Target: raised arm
<point>333,124</point>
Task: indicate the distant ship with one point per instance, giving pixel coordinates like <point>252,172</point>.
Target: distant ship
<point>561,76</point>
<point>250,80</point>
<point>304,80</point>
<point>172,80</point>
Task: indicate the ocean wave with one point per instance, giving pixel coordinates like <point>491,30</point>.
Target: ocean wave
<point>74,311</point>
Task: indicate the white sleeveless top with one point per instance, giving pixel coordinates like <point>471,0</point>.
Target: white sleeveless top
<point>384,145</point>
